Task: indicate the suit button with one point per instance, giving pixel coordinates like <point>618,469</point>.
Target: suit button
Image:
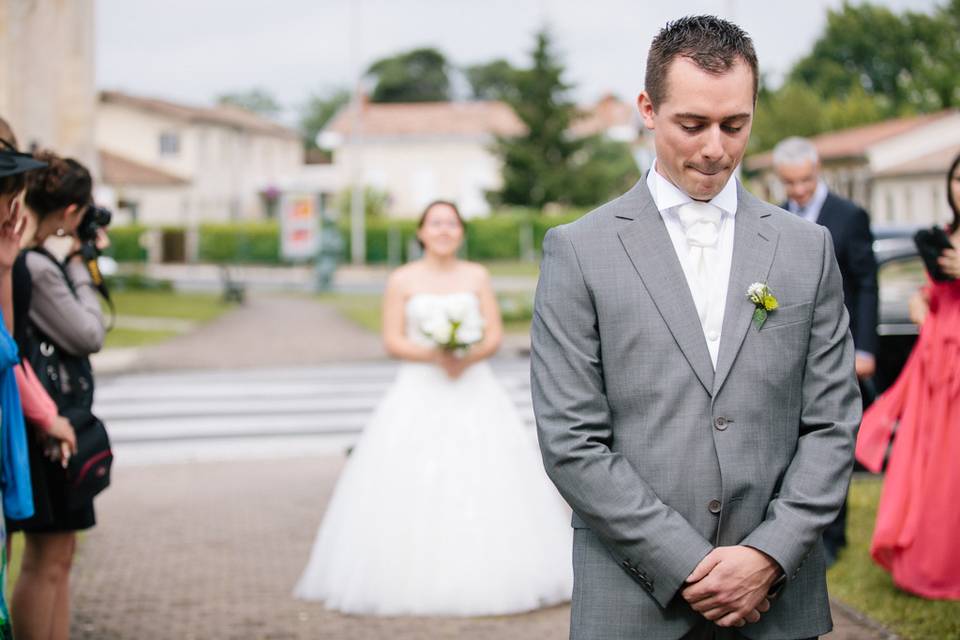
<point>721,423</point>
<point>714,506</point>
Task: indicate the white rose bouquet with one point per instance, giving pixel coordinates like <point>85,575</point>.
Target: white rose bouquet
<point>454,325</point>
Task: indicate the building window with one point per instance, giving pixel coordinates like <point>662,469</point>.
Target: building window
<point>169,143</point>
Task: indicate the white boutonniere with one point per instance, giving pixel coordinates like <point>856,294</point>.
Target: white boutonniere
<point>764,301</point>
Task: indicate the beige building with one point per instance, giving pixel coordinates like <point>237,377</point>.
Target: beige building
<point>174,164</point>
<point>419,152</point>
<point>896,169</point>
<point>47,74</point>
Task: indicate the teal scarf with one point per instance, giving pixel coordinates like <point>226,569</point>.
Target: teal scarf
<point>14,459</point>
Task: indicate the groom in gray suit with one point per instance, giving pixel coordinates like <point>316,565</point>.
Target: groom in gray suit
<point>703,438</point>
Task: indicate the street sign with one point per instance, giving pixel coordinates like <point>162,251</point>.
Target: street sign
<point>299,225</point>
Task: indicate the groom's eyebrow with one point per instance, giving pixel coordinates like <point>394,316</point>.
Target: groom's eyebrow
<point>697,116</point>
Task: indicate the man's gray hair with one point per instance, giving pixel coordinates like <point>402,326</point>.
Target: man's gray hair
<point>793,151</point>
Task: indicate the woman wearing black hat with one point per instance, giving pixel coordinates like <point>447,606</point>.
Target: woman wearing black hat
<point>17,493</point>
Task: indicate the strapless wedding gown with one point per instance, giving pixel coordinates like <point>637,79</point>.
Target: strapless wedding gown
<point>443,507</point>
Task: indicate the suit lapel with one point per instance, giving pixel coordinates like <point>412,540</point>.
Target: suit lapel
<point>754,245</point>
<point>649,247</point>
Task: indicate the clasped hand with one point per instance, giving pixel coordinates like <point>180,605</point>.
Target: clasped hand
<point>730,585</point>
<point>452,364</point>
<point>949,261</point>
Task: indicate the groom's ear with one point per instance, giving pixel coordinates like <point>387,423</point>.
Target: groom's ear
<point>647,110</point>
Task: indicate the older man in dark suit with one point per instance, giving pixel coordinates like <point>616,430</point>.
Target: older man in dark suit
<point>797,164</point>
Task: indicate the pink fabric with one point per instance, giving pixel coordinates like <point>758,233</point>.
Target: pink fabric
<point>918,519</point>
<point>38,407</point>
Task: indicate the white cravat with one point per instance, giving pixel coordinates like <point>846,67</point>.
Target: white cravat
<point>701,226</point>
<point>707,280</point>
<point>702,223</point>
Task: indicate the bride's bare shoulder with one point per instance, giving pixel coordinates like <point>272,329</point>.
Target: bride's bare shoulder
<point>475,271</point>
<point>402,277</point>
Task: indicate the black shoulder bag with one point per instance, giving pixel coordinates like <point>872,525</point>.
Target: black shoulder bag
<point>69,381</point>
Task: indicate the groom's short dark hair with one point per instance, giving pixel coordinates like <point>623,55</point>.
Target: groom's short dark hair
<point>713,44</point>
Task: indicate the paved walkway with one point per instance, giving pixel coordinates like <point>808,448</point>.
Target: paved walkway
<point>212,551</point>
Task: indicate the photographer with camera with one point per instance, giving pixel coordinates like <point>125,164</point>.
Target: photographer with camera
<point>58,323</point>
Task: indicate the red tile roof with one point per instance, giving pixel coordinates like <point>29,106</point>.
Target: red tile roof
<point>608,113</point>
<point>853,143</point>
<point>224,115</point>
<point>123,172</point>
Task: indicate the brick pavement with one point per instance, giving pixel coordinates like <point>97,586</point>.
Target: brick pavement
<point>212,551</point>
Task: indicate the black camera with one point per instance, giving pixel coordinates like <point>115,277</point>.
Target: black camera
<point>94,218</point>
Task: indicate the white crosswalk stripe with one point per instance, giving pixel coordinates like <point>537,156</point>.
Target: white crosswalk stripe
<point>189,415</point>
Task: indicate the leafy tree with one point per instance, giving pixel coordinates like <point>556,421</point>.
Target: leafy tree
<point>603,169</point>
<point>420,75</point>
<point>909,61</point>
<point>537,165</point>
<point>868,64</point>
<point>797,110</point>
<point>317,111</point>
<point>495,80</point>
<point>937,40</point>
<point>792,110</point>
<point>256,100</point>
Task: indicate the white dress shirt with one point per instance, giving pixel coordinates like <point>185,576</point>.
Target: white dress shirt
<point>668,198</point>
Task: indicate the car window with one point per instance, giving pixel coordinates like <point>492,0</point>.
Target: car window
<point>899,279</point>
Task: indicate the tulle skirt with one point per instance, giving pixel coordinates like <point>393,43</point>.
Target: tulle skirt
<point>443,508</point>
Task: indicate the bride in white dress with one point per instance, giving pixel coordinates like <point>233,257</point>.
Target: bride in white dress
<point>443,507</point>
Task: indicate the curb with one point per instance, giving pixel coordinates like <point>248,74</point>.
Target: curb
<point>862,619</point>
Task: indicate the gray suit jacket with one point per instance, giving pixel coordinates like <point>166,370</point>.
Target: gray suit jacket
<point>662,458</point>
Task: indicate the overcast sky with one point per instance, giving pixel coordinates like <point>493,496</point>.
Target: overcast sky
<point>192,51</point>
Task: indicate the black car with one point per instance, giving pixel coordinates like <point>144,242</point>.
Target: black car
<point>901,275</point>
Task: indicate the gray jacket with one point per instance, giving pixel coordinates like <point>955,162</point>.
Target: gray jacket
<point>661,458</point>
<point>75,322</point>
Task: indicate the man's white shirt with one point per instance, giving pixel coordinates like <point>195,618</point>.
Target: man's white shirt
<point>668,199</point>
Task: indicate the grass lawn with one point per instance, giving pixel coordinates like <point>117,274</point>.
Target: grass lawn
<point>513,268</point>
<point>162,305</point>
<point>363,309</point>
<point>13,564</point>
<point>120,337</point>
<point>200,307</point>
<point>858,582</point>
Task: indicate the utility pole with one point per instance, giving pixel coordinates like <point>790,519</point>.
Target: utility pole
<point>358,234</point>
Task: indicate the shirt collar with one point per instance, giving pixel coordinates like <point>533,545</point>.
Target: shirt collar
<point>667,196</point>
<point>816,201</point>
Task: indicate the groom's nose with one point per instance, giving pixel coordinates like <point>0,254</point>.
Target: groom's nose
<point>712,147</point>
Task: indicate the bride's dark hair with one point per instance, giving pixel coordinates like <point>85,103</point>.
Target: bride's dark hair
<point>954,205</point>
<point>426,210</point>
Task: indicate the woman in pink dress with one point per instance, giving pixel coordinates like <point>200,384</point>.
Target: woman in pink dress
<point>918,521</point>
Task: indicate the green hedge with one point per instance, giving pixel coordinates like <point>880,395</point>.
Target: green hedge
<point>239,243</point>
<point>498,237</point>
<point>378,239</point>
<point>125,244</point>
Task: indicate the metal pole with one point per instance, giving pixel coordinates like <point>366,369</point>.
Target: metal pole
<point>358,236</point>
